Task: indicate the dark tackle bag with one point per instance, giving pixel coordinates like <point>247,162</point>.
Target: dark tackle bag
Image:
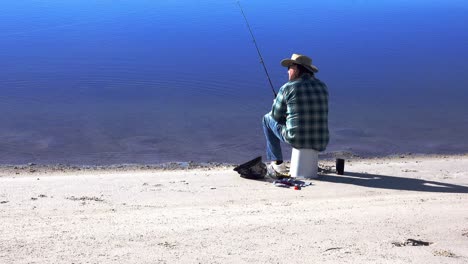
<point>253,169</point>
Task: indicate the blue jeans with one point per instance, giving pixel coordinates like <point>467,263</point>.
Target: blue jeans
<point>272,130</point>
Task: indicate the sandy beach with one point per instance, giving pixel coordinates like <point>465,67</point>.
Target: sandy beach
<point>403,209</point>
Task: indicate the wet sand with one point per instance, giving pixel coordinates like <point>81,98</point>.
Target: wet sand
<point>408,209</point>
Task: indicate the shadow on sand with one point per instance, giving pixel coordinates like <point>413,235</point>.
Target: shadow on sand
<point>393,182</point>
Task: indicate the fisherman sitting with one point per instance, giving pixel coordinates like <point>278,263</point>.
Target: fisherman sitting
<point>299,115</point>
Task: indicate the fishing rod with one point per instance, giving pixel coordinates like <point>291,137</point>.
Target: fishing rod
<point>256,46</point>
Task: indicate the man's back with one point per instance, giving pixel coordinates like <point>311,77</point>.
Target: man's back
<point>304,103</point>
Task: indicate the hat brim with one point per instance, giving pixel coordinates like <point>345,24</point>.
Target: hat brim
<point>289,62</point>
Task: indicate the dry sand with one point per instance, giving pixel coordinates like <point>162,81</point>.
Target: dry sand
<point>211,215</point>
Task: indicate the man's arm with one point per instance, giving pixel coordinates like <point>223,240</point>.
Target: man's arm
<point>279,107</point>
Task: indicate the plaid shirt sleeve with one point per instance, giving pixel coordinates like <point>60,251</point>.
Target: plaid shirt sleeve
<point>279,107</point>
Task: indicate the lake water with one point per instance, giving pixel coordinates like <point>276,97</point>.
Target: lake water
<point>143,81</point>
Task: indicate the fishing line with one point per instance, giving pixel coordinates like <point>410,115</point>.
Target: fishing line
<point>256,46</point>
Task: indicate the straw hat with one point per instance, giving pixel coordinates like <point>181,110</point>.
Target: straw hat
<point>301,60</point>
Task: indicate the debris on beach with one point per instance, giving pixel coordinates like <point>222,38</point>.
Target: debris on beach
<point>290,182</point>
<point>3,202</point>
<point>84,198</point>
<point>411,242</point>
<point>444,253</point>
<point>326,169</point>
<point>40,196</point>
<point>167,245</point>
<point>333,248</point>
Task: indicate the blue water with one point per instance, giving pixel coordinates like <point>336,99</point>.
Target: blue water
<point>142,81</point>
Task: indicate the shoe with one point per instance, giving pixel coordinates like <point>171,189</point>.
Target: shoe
<point>277,171</point>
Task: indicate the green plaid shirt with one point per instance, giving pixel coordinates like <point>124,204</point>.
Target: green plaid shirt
<point>302,105</point>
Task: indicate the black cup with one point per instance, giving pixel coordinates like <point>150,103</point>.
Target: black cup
<point>340,166</point>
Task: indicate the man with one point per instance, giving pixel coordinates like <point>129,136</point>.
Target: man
<point>299,115</point>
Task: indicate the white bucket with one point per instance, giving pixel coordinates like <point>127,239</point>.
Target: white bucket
<point>304,163</point>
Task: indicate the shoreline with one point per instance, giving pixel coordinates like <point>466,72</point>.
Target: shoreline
<point>33,168</point>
